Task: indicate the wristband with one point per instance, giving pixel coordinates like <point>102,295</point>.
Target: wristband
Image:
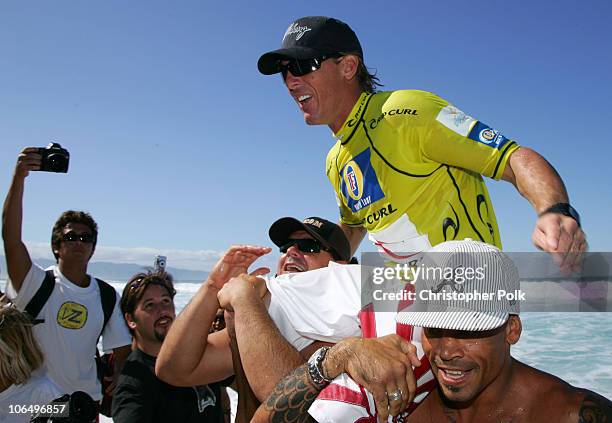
<point>565,209</point>
<point>315,368</point>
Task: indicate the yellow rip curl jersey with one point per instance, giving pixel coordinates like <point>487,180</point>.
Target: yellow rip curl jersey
<point>407,166</point>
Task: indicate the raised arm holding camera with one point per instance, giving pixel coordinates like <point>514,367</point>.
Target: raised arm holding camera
<point>74,310</point>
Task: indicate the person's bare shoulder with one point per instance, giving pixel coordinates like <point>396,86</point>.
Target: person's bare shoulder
<point>594,408</point>
<point>577,405</point>
<point>556,400</point>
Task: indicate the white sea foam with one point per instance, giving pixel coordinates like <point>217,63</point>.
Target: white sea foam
<point>573,346</point>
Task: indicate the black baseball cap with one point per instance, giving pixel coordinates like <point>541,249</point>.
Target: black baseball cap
<point>327,233</point>
<point>310,37</point>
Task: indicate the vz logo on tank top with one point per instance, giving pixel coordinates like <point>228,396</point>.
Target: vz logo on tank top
<point>359,183</point>
<point>72,315</point>
<point>294,28</point>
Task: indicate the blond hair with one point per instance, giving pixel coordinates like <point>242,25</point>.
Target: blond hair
<point>20,354</point>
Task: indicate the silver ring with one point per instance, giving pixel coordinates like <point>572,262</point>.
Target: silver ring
<point>395,396</point>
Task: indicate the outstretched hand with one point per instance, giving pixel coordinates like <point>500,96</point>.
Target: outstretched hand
<point>562,237</point>
<point>235,262</point>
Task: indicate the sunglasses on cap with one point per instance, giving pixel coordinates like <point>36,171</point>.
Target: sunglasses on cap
<point>305,246</point>
<point>153,280</point>
<point>73,237</point>
<point>301,67</point>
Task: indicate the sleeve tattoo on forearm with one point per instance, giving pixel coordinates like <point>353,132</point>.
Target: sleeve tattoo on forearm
<point>292,397</point>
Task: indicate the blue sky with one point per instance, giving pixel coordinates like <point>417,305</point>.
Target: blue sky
<point>178,145</point>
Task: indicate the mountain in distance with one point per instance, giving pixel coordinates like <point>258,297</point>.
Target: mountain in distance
<point>120,272</point>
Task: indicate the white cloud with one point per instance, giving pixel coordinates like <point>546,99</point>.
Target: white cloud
<point>183,259</point>
<point>144,256</point>
<point>39,250</point>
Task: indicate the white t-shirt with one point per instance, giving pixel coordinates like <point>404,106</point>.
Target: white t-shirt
<point>38,390</point>
<point>321,304</point>
<point>326,305</point>
<point>73,319</point>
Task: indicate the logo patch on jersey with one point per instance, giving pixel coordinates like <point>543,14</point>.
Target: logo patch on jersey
<point>353,179</point>
<point>455,120</point>
<point>360,185</point>
<point>487,135</point>
<point>395,112</point>
<point>355,118</point>
<point>72,315</point>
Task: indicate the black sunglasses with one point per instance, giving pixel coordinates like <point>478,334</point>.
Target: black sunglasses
<point>301,67</point>
<point>73,237</point>
<point>304,245</point>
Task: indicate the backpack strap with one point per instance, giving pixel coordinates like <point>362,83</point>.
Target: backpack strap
<point>108,297</point>
<point>103,368</point>
<point>40,297</point>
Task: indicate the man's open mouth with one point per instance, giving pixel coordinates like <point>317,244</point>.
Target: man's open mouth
<point>164,321</point>
<point>294,267</point>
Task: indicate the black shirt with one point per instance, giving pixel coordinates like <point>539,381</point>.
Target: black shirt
<point>140,397</point>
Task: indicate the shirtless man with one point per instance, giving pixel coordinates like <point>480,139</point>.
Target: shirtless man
<point>478,380</point>
<point>468,346</point>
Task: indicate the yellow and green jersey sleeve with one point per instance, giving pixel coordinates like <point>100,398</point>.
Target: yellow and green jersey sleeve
<point>407,166</point>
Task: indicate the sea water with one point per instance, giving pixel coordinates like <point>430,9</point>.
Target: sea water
<point>577,347</point>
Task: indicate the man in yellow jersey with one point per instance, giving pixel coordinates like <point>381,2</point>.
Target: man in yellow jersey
<point>407,165</point>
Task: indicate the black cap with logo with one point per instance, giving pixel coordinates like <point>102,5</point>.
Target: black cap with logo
<point>327,233</point>
<point>310,37</point>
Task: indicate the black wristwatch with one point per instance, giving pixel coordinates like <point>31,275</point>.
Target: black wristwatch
<point>565,209</point>
<point>315,368</point>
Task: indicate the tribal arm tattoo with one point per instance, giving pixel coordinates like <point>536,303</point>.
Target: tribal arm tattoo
<point>595,409</point>
<point>291,398</point>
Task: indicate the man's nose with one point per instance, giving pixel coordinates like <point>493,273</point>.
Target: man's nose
<point>449,348</point>
<point>294,251</point>
<point>291,81</point>
<point>162,308</point>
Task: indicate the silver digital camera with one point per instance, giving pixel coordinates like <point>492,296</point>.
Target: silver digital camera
<point>160,263</point>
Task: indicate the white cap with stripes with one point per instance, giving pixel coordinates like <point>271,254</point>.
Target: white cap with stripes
<point>461,286</point>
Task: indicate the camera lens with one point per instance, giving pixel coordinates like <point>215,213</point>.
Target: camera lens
<point>57,162</point>
<point>82,407</point>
